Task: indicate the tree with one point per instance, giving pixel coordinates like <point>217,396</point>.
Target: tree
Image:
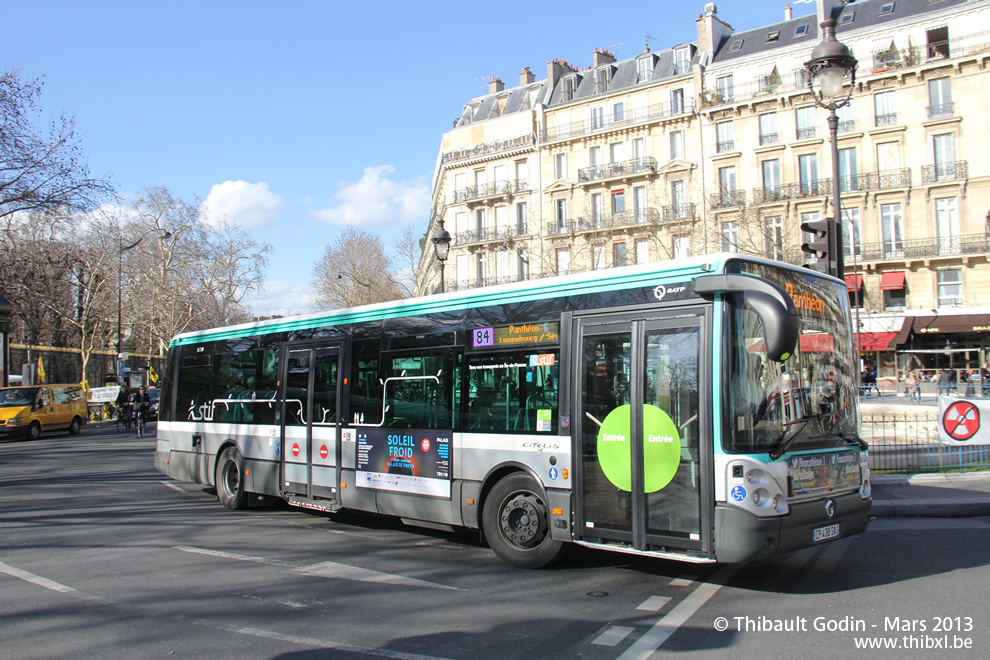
<point>354,270</point>
<point>40,171</point>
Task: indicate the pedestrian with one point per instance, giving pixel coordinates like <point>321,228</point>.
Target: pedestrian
<point>911,383</point>
<point>970,385</point>
<point>944,381</point>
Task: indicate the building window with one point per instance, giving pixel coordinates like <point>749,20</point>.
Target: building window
<point>847,120</point>
<point>848,179</point>
<point>735,45</point>
<point>892,230</point>
<point>601,80</point>
<point>727,186</point>
<point>895,298</point>
<point>944,155</point>
<point>724,137</point>
<point>771,180</point>
<point>801,30</point>
<point>805,122</point>
<point>560,166</point>
<point>522,175</point>
<point>947,223</point>
<point>808,171</point>
<point>639,203</point>
<point>682,246</point>
<point>561,214</point>
<point>639,150</point>
<point>676,145</point>
<point>598,257</point>
<point>772,37</point>
<point>851,237</point>
<point>618,254</point>
<point>768,128</point>
<point>563,260</point>
<point>682,60</point>
<point>773,232</point>
<point>617,152</point>
<point>597,118</point>
<point>522,264</point>
<point>644,67</point>
<point>676,101</point>
<point>480,268</point>
<point>618,202</point>
<point>885,108</point>
<point>522,219</point>
<point>480,217</point>
<point>567,92</point>
<point>619,111</point>
<point>950,287</point>
<point>887,8</point>
<point>730,237</point>
<point>642,250</point>
<point>939,98</point>
<point>597,209</point>
<point>723,85</point>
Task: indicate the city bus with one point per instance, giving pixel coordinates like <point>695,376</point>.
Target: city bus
<point>702,410</point>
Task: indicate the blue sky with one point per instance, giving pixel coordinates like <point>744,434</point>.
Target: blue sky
<point>295,118</point>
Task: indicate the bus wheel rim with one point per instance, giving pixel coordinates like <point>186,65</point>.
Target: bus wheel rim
<point>520,520</point>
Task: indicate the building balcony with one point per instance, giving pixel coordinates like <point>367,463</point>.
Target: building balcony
<point>493,189</point>
<point>789,191</point>
<point>481,282</point>
<point>939,111</point>
<point>679,212</point>
<point>597,223</point>
<point>769,138</point>
<point>619,120</point>
<point>806,133</point>
<point>488,234</point>
<point>727,199</point>
<point>940,172</point>
<point>888,119</point>
<point>921,248</point>
<point>725,145</point>
<point>620,169</point>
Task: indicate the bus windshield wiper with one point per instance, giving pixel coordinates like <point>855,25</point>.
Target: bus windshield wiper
<point>848,437</point>
<point>785,443</point>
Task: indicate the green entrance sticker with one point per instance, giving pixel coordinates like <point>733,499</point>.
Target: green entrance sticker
<point>661,448</point>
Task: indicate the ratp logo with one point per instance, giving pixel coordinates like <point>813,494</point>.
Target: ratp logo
<point>660,292</point>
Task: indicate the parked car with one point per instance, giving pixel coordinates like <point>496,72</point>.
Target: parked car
<point>155,396</point>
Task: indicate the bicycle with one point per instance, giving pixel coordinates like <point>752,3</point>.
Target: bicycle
<point>123,418</point>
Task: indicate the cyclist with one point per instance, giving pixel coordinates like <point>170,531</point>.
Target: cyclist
<point>142,402</point>
<point>123,403</point>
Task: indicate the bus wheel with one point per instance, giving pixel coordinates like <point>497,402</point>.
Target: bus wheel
<point>75,426</point>
<point>229,479</point>
<point>516,524</point>
<point>34,431</point>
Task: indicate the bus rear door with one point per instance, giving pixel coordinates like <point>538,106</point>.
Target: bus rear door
<point>310,426</point>
<point>643,377</point>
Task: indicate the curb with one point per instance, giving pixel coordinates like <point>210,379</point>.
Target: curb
<point>947,508</point>
<point>928,478</point>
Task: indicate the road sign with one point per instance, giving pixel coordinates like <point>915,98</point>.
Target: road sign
<point>959,421</point>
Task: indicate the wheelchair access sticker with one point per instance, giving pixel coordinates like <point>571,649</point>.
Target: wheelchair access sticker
<point>738,493</point>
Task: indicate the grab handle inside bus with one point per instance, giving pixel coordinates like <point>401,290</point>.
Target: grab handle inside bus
<point>769,300</point>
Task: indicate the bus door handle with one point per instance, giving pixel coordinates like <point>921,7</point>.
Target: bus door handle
<point>197,440</point>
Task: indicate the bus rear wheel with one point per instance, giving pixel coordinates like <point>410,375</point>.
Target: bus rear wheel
<point>230,480</point>
<point>516,523</point>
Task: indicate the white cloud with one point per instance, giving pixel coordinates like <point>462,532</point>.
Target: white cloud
<point>376,200</point>
<point>248,205</point>
<point>279,298</point>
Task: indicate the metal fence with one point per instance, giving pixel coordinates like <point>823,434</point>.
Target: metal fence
<point>906,441</point>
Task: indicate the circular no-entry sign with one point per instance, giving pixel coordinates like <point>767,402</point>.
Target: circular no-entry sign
<point>961,420</point>
<point>324,452</point>
<point>295,448</point>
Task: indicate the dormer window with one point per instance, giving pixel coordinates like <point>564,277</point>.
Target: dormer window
<point>567,93</point>
<point>801,30</point>
<point>847,17</point>
<point>601,80</point>
<point>736,45</point>
<point>887,8</point>
<point>644,67</point>
<point>772,37</point>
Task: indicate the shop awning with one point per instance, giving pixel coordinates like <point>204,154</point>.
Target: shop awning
<point>854,282</point>
<point>892,281</point>
<point>876,341</point>
<point>951,323</point>
<point>881,45</point>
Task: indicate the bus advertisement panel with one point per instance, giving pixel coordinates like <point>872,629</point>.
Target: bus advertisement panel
<point>414,461</point>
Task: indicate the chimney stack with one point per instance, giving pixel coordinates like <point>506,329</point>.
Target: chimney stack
<point>526,77</point>
<point>602,56</point>
<point>496,85</point>
<point>787,12</point>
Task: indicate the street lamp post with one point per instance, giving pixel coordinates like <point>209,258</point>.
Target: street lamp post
<point>120,285</point>
<point>830,62</point>
<point>441,247</point>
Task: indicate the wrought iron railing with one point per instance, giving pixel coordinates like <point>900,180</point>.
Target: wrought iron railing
<point>955,171</point>
<point>604,221</point>
<point>805,133</point>
<point>846,126</point>
<point>679,212</point>
<point>482,190</point>
<point>769,138</point>
<point>725,145</point>
<point>925,247</point>
<point>609,122</point>
<point>943,110</point>
<point>622,168</point>
<point>727,199</point>
<point>484,234</point>
<point>888,119</point>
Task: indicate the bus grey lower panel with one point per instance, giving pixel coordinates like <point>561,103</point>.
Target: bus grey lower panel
<point>352,497</point>
<point>188,466</point>
<point>433,509</point>
<point>470,497</point>
<point>261,477</point>
<point>560,525</point>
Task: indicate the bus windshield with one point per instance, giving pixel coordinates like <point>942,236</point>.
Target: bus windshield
<point>809,401</point>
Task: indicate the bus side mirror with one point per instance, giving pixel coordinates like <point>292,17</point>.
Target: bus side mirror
<point>770,301</point>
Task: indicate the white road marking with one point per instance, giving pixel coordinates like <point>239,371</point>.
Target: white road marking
<point>612,636</point>
<point>173,486</point>
<point>322,644</point>
<point>228,555</point>
<point>34,579</point>
<point>654,603</point>
<point>683,581</point>
<point>668,625</point>
<point>331,569</point>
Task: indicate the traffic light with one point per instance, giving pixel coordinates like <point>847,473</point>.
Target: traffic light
<point>825,244</point>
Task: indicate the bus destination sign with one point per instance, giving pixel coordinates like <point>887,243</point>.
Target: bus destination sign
<point>522,334</point>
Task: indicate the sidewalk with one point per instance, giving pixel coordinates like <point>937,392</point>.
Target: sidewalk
<point>943,494</point>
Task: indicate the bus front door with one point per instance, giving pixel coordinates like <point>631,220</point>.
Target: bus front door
<point>310,429</point>
<point>641,378</point>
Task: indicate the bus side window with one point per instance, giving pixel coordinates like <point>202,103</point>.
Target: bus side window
<point>419,392</point>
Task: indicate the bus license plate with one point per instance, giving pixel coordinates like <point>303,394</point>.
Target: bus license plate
<point>822,533</point>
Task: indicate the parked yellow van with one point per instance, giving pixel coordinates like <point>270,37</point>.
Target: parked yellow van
<point>27,411</point>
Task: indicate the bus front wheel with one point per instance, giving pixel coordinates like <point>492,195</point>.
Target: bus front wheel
<point>230,480</point>
<point>516,523</point>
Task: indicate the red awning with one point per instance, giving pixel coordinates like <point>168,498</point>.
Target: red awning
<point>876,341</point>
<point>892,281</point>
<point>854,282</point>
